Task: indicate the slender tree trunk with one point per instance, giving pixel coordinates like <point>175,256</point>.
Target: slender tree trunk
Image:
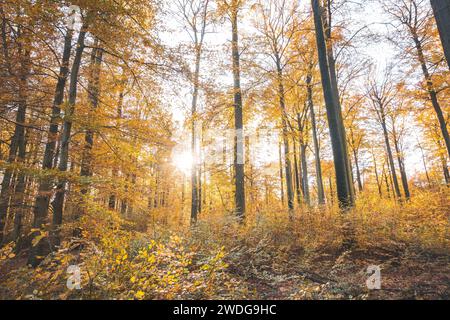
<point>115,173</point>
<point>305,177</point>
<point>194,171</point>
<point>387,176</point>
<point>330,183</point>
<point>424,162</point>
<point>238,119</point>
<point>358,172</point>
<point>200,187</point>
<point>320,188</point>
<point>287,159</point>
<point>441,9</point>
<point>42,200</point>
<point>183,193</point>
<point>18,141</point>
<point>297,174</point>
<point>327,22</point>
<point>251,178</point>
<point>333,112</point>
<point>401,165</point>
<point>390,158</point>
<point>7,182</point>
<point>58,202</point>
<point>280,157</point>
<point>445,171</point>
<point>93,95</point>
<point>19,191</point>
<point>379,183</point>
<point>432,92</point>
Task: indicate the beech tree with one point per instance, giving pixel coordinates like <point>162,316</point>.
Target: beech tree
<point>441,9</point>
<point>335,123</point>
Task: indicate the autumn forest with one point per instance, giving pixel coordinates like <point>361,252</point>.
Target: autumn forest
<point>224,149</point>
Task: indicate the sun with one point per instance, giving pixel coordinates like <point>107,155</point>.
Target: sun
<point>183,162</point>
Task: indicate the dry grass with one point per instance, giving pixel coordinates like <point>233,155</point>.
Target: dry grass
<point>273,256</point>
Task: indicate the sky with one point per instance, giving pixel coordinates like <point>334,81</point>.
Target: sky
<point>379,51</point>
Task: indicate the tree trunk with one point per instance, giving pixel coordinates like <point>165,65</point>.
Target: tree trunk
<point>441,9</point>
<point>194,171</point>
<point>424,162</point>
<point>445,171</point>
<point>379,183</point>
<point>297,174</point>
<point>238,120</point>
<point>113,197</point>
<point>305,177</point>
<point>432,92</point>
<point>390,158</point>
<point>18,141</point>
<point>401,165</point>
<point>42,200</point>
<point>327,22</point>
<point>200,187</point>
<point>355,156</point>
<point>280,157</point>
<point>287,160</point>
<point>58,202</point>
<point>333,112</point>
<point>386,180</point>
<point>19,191</point>
<point>93,95</point>
<point>320,188</point>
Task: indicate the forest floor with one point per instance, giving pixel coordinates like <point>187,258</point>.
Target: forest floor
<point>405,274</point>
<point>270,257</point>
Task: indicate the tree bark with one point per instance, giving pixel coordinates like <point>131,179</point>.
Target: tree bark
<point>239,162</point>
<point>445,171</point>
<point>194,171</point>
<point>441,9</point>
<point>42,200</point>
<point>355,156</point>
<point>401,165</point>
<point>297,174</point>
<point>379,183</point>
<point>305,177</point>
<point>19,191</point>
<point>18,141</point>
<point>287,160</point>
<point>58,202</point>
<point>432,92</point>
<point>280,157</point>
<point>327,22</point>
<point>319,179</point>
<point>333,113</point>
<point>93,95</point>
<point>390,157</point>
<point>424,162</point>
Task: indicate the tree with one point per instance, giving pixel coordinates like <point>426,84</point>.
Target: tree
<point>42,200</point>
<point>334,115</point>
<point>195,14</point>
<point>415,18</point>
<point>320,188</point>
<point>441,9</point>
<point>278,27</point>
<point>381,96</point>
<point>232,8</point>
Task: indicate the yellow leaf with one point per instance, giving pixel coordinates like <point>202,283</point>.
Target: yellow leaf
<point>139,295</point>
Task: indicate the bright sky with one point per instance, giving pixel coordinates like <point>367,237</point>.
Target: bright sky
<point>380,52</point>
